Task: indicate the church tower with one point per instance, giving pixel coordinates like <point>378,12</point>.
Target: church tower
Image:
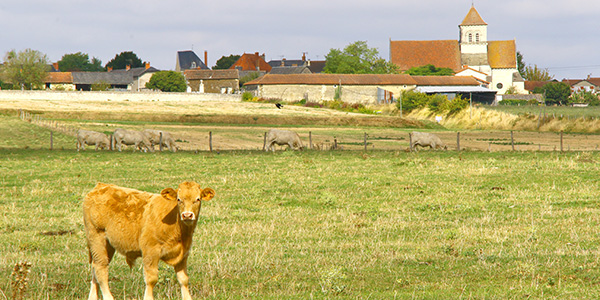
<point>473,41</point>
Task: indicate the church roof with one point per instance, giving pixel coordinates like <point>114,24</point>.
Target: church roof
<point>502,54</point>
<point>440,53</point>
<point>473,18</point>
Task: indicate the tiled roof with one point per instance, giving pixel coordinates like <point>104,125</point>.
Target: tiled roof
<point>473,18</point>
<point>364,79</point>
<point>531,85</point>
<point>102,77</point>
<point>502,54</point>
<point>290,70</point>
<point>59,77</point>
<point>198,74</point>
<point>250,62</point>
<point>445,80</point>
<point>440,53</point>
<point>136,72</point>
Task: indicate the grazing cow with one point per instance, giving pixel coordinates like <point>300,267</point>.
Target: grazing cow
<point>283,137</point>
<point>131,137</point>
<point>87,137</point>
<point>154,138</point>
<point>425,139</point>
<point>141,224</point>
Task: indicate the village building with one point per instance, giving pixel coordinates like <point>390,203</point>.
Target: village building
<point>353,88</point>
<point>473,54</point>
<point>212,81</point>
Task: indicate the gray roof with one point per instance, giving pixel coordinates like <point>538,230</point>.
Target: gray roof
<point>189,60</point>
<point>287,63</point>
<point>115,78</point>
<point>290,70</point>
<point>136,72</point>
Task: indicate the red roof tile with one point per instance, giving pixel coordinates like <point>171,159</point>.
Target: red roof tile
<point>502,54</point>
<point>473,18</point>
<point>59,77</point>
<point>363,79</point>
<point>250,62</point>
<point>441,54</point>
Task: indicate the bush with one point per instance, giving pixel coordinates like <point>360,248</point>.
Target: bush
<point>247,96</point>
<point>435,103</point>
<point>167,81</point>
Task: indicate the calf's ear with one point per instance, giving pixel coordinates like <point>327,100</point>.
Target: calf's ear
<point>169,194</point>
<point>207,194</point>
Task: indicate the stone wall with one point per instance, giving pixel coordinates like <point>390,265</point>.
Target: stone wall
<point>7,95</point>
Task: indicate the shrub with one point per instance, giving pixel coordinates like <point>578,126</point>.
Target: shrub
<point>247,96</point>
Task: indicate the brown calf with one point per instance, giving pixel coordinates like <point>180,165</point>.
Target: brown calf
<point>141,224</point>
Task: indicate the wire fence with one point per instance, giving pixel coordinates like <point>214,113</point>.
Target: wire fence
<point>212,138</point>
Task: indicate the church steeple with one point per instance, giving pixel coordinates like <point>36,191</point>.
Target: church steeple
<point>473,30</point>
<point>473,18</point>
<point>473,39</point>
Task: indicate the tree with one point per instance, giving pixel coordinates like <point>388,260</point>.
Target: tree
<point>357,58</point>
<point>122,60</point>
<point>75,62</point>
<point>167,81</point>
<point>430,70</point>
<point>533,73</point>
<point>225,62</point>
<point>520,64</point>
<point>26,69</point>
<point>557,93</point>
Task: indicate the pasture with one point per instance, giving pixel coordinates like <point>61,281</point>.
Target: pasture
<point>380,224</point>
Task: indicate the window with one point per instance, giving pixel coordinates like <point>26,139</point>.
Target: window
<point>477,37</point>
<point>470,37</point>
<point>499,85</point>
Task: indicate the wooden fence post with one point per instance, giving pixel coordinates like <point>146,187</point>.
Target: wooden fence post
<point>512,140</point>
<point>458,141</point>
<point>365,142</point>
<point>264,141</point>
<point>310,146</point>
<point>210,141</point>
<point>335,143</point>
<point>160,140</point>
<point>561,141</point>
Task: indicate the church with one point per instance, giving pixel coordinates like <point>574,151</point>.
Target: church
<point>493,63</point>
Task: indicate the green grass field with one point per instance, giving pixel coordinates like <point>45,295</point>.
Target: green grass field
<point>325,225</point>
<point>317,224</point>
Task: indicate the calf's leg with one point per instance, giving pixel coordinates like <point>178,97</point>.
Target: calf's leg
<point>182,277</point>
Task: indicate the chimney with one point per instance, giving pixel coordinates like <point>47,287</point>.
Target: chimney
<point>147,65</point>
<point>206,58</point>
<point>303,56</point>
<point>128,67</point>
<point>55,65</point>
<point>283,62</point>
<point>109,69</point>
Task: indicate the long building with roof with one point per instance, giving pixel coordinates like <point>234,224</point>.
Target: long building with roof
<point>495,60</point>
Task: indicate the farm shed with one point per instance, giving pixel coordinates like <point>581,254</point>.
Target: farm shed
<point>351,88</point>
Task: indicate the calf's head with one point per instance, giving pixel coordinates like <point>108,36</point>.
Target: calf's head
<point>189,197</point>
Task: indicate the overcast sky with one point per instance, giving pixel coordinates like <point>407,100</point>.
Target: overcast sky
<point>555,34</point>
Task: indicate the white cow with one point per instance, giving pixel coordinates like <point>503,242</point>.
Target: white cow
<point>154,138</point>
<point>88,137</point>
<point>131,137</point>
<point>283,137</point>
<point>425,139</point>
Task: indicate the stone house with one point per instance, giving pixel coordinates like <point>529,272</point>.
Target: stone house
<point>212,81</point>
